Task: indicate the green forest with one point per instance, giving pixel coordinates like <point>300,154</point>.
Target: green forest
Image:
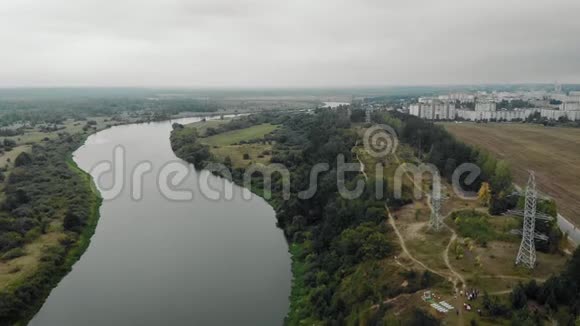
<point>44,192</point>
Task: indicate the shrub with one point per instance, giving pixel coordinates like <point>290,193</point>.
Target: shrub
<point>13,253</point>
<point>10,240</point>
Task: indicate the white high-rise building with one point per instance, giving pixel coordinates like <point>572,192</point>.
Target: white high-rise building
<point>486,110</point>
<point>434,111</point>
<point>485,106</point>
<point>574,97</point>
<point>570,106</point>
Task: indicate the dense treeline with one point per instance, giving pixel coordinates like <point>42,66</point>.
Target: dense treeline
<point>514,104</point>
<point>435,145</point>
<point>333,238</point>
<point>558,297</point>
<point>56,111</point>
<point>185,144</point>
<point>7,145</point>
<point>563,121</point>
<point>39,189</point>
<point>42,191</point>
<point>5,132</point>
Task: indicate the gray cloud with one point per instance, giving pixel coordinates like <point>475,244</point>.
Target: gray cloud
<point>275,43</point>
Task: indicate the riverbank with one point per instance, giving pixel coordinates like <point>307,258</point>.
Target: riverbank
<point>75,253</point>
<point>21,300</point>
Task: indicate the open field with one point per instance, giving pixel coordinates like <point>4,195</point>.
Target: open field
<point>202,126</point>
<point>7,158</point>
<point>226,144</point>
<point>553,153</point>
<point>35,135</point>
<point>258,153</point>
<point>236,136</point>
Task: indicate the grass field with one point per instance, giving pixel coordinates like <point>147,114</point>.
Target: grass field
<point>553,153</point>
<point>35,135</point>
<point>7,158</point>
<point>236,136</point>
<point>227,144</point>
<point>202,126</point>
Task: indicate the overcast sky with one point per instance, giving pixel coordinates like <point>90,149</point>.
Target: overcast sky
<point>290,43</point>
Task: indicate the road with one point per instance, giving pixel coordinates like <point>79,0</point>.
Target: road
<point>570,229</point>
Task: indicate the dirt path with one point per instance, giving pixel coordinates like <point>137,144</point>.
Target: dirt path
<point>392,223</point>
<point>513,277</point>
<point>456,276</point>
<point>362,166</point>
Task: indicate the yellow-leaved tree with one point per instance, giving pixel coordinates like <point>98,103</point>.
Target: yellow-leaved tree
<point>484,194</point>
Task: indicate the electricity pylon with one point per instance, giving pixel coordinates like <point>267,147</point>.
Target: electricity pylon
<point>435,222</point>
<point>527,253</point>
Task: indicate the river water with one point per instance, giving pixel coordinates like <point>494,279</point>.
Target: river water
<point>156,261</point>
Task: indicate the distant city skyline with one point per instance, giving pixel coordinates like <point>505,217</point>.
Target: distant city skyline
<point>287,44</point>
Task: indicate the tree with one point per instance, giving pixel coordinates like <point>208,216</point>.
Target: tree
<point>176,125</point>
<point>502,178</point>
<point>551,301</point>
<point>426,279</point>
<point>9,240</point>
<point>493,306</point>
<point>22,159</point>
<point>228,162</point>
<point>532,289</point>
<point>421,318</point>
<point>518,297</point>
<point>9,144</point>
<point>72,221</point>
<point>484,194</point>
<point>450,166</point>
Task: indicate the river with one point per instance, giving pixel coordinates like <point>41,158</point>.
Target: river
<point>156,261</point>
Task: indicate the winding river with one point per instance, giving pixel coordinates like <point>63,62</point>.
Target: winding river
<point>156,261</point>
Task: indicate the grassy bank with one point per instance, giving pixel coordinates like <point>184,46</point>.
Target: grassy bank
<point>50,273</point>
<point>85,237</point>
<point>22,299</point>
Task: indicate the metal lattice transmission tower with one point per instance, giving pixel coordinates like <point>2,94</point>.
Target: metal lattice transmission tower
<point>368,116</point>
<point>527,253</point>
<point>435,222</point>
